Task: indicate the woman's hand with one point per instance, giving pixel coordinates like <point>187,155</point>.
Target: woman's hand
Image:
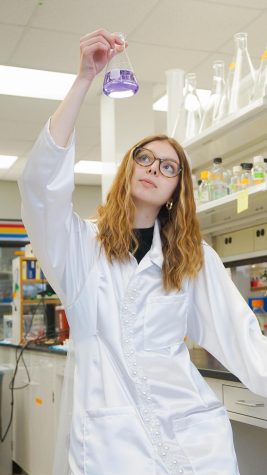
<point>96,49</point>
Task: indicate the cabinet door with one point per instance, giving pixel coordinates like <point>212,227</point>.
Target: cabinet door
<point>219,245</point>
<point>238,242</point>
<point>260,237</point>
<point>41,415</point>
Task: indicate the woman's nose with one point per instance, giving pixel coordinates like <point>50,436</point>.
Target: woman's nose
<point>154,168</point>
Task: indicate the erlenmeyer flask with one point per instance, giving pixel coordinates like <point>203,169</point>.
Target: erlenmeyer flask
<point>243,75</point>
<point>191,114</point>
<point>260,89</point>
<point>217,91</point>
<point>120,80</point>
<point>223,106</point>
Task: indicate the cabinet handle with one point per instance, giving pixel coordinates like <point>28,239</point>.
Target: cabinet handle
<point>258,233</point>
<point>226,241</point>
<point>230,240</point>
<point>242,402</point>
<point>262,232</point>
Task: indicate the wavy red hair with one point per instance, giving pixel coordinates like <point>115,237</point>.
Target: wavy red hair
<point>179,228</point>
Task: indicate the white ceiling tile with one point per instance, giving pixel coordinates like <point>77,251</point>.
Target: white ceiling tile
<point>252,4</point>
<point>192,24</point>
<point>9,37</point>
<point>47,50</point>
<point>166,58</point>
<point>17,12</point>
<point>85,16</point>
<point>18,148</point>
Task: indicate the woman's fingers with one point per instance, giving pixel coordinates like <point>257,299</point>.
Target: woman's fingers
<point>111,38</point>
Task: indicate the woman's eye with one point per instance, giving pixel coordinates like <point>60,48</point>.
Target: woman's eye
<point>168,167</point>
<point>144,158</point>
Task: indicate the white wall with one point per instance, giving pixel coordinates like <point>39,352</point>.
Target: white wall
<point>85,200</point>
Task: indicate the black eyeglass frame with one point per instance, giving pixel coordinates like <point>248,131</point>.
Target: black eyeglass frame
<point>161,160</point>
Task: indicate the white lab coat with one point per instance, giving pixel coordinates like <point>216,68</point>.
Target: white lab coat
<point>140,406</point>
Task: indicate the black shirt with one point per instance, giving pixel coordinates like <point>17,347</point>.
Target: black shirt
<point>145,238</point>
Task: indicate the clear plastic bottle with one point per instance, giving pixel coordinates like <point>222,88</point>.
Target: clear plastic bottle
<point>228,173</point>
<point>218,87</point>
<point>260,89</point>
<point>191,114</point>
<point>258,309</point>
<point>120,80</point>
<point>243,81</point>
<point>195,188</point>
<point>204,187</point>
<point>246,177</point>
<point>218,185</point>
<point>258,174</point>
<point>235,184</point>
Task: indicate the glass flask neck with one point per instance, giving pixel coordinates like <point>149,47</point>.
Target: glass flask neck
<point>241,40</point>
<point>218,76</point>
<point>190,82</point>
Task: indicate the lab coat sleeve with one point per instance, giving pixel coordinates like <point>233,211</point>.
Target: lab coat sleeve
<point>220,320</point>
<point>63,242</point>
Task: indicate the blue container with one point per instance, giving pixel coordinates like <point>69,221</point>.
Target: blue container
<point>31,270</point>
<point>258,298</point>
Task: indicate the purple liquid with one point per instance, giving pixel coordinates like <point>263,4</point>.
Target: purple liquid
<point>120,84</point>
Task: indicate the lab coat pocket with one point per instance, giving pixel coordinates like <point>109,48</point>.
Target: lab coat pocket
<point>115,443</point>
<point>207,440</point>
<point>165,321</point>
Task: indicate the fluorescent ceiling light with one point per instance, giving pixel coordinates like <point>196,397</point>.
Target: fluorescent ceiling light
<point>95,167</point>
<point>162,103</point>
<point>34,83</point>
<point>6,161</point>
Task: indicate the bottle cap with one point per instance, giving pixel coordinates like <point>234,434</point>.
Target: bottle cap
<point>258,159</point>
<point>257,303</point>
<point>246,166</point>
<point>217,160</point>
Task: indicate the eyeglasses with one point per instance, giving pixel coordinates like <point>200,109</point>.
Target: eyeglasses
<point>168,167</point>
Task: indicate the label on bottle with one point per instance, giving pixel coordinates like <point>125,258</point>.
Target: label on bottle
<point>264,55</point>
<point>258,177</point>
<point>245,181</point>
<point>242,200</point>
<point>232,66</point>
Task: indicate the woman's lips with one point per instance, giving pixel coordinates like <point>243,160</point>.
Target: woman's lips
<point>148,182</point>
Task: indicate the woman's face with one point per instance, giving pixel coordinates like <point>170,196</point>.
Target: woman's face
<point>162,187</point>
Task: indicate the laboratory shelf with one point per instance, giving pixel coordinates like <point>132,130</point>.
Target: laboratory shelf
<point>221,215</point>
<point>238,135</point>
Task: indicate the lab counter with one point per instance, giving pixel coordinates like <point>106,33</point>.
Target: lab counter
<point>207,365</point>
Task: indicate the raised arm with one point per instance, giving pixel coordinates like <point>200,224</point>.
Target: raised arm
<point>96,49</point>
<point>62,241</point>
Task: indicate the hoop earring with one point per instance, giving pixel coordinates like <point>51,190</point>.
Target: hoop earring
<point>169,205</point>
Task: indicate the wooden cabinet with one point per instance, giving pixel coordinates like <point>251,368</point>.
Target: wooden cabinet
<point>245,241</point>
<point>242,401</point>
<point>260,237</point>
<point>36,408</point>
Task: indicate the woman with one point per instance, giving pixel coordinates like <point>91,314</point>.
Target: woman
<point>134,283</point>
